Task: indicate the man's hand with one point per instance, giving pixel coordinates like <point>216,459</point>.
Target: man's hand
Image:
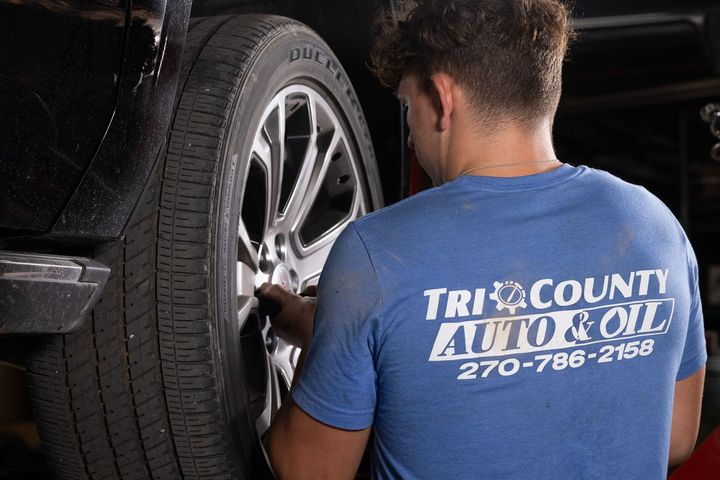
<point>294,322</point>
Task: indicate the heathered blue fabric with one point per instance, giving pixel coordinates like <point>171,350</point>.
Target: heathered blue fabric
<point>468,326</point>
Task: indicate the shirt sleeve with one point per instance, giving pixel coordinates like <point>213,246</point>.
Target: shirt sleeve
<point>695,352</point>
<point>338,384</point>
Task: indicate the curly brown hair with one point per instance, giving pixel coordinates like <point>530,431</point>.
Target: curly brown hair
<point>507,53</point>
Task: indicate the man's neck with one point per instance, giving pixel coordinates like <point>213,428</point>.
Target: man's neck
<point>508,151</point>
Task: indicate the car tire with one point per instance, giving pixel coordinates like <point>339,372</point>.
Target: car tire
<point>176,374</point>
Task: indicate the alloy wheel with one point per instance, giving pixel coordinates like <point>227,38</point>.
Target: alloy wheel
<point>302,186</point>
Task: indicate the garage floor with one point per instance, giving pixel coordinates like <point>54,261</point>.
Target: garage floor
<point>20,456</point>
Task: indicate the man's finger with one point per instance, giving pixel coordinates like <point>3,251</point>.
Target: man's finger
<point>275,293</point>
<point>310,291</point>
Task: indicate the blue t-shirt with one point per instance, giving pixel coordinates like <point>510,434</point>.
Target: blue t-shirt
<point>523,328</point>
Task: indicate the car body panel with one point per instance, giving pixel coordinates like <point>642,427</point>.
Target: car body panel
<point>102,205</point>
<point>59,69</point>
<point>81,155</point>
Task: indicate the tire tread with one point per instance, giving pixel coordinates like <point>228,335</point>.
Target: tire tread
<point>102,415</point>
<point>184,233</point>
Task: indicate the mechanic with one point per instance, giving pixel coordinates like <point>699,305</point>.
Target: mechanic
<point>493,385</point>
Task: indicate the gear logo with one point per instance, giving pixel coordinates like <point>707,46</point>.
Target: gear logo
<point>509,295</point>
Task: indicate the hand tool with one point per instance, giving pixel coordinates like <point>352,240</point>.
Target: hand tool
<point>266,307</point>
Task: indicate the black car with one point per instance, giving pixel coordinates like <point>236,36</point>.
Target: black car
<point>159,160</point>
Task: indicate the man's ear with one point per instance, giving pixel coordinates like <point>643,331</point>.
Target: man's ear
<point>442,94</point>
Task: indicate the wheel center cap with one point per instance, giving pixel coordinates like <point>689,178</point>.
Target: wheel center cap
<point>281,276</point>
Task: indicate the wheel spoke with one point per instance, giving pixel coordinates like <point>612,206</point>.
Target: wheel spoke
<point>275,130</point>
<point>282,363</point>
<point>263,152</point>
<point>309,180</point>
<point>285,358</point>
<point>306,176</point>
<point>359,207</point>
<point>247,253</point>
<point>272,395</point>
<point>246,303</point>
<point>316,165</point>
<point>309,265</point>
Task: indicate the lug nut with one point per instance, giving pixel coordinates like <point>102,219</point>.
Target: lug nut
<point>715,125</point>
<point>295,280</point>
<point>265,263</point>
<point>270,340</point>
<point>280,246</point>
<point>715,154</point>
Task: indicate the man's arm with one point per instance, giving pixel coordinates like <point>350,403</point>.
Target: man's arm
<point>688,391</point>
<point>686,417</point>
<point>298,446</point>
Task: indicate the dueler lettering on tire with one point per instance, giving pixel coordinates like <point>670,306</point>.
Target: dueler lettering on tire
<point>312,53</point>
<point>176,374</point>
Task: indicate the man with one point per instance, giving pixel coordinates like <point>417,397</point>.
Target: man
<point>524,319</point>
